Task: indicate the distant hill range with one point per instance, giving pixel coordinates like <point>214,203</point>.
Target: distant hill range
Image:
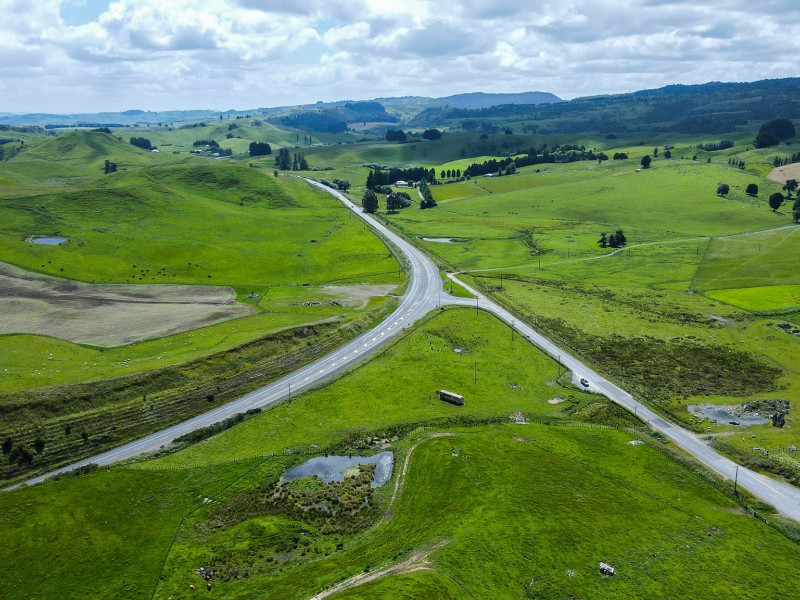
<point>481,100</point>
<point>711,108</point>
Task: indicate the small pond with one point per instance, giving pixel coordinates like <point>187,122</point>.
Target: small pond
<point>332,468</point>
<point>440,240</point>
<point>719,414</point>
<point>48,241</point>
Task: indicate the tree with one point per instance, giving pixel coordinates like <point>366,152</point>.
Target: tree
<point>796,215</point>
<point>646,160</point>
<point>38,445</point>
<point>723,189</point>
<point>260,149</point>
<point>8,444</point>
<point>621,237</point>
<point>369,202</point>
<point>284,160</point>
<point>790,186</point>
<point>667,153</point>
<point>752,189</point>
<point>393,203</point>
<point>773,132</point>
<point>141,142</point>
<point>775,201</point>
<point>655,151</point>
<point>603,241</point>
<point>395,135</point>
<point>431,134</point>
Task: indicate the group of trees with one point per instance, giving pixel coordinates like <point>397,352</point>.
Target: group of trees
<point>427,196</point>
<point>284,159</point>
<point>378,176</point>
<point>260,149</point>
<point>739,164</point>
<point>397,200</point>
<point>337,184</point>
<point>396,135</point>
<point>141,142</point>
<point>19,453</point>
<point>714,146</point>
<point>557,154</point>
<point>209,143</point>
<point>109,167</point>
<point>620,156</point>
<point>615,240</point>
<point>448,173</point>
<point>774,132</point>
<point>786,160</point>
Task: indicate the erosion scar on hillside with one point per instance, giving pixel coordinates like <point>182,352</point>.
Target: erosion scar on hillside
<point>108,314</point>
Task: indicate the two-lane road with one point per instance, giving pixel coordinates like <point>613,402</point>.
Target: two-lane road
<point>424,293</point>
<point>783,496</point>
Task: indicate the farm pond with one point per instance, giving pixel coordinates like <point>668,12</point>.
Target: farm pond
<point>48,240</point>
<point>334,468</point>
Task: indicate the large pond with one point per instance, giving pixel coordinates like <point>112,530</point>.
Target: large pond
<point>48,241</point>
<point>720,415</point>
<point>333,468</point>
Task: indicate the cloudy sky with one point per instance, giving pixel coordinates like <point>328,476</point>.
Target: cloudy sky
<point>68,56</point>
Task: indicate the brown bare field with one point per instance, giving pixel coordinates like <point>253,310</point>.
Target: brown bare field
<point>108,314</point>
<point>783,174</point>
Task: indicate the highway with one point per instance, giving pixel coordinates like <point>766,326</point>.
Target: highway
<point>425,293</point>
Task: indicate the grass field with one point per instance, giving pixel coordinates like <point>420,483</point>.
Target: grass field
<point>531,240</point>
<point>488,509</point>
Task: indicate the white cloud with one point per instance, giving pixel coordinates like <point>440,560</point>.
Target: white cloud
<point>160,54</point>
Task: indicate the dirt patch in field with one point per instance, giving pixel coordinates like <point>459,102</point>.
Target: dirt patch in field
<point>357,294</point>
<point>783,174</point>
<point>108,314</point>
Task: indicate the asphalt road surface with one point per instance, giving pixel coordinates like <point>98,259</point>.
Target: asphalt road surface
<point>425,293</point>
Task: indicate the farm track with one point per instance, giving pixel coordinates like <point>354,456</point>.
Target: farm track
<point>631,247</point>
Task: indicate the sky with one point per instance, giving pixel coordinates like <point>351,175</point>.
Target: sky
<point>73,56</point>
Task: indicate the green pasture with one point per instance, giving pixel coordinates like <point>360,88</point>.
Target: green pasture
<point>559,213</point>
<point>493,506</point>
<point>757,260</point>
<point>772,297</point>
<point>209,223</point>
<point>99,536</point>
<point>400,387</point>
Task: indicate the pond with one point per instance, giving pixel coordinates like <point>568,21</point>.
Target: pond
<point>720,415</point>
<point>48,241</point>
<point>332,468</point>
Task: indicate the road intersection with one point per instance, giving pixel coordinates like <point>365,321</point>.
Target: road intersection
<point>425,293</point>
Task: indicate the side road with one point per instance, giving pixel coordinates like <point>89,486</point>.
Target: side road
<point>781,495</point>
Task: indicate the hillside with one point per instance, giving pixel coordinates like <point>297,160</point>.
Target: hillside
<point>482,100</point>
<point>711,108</point>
